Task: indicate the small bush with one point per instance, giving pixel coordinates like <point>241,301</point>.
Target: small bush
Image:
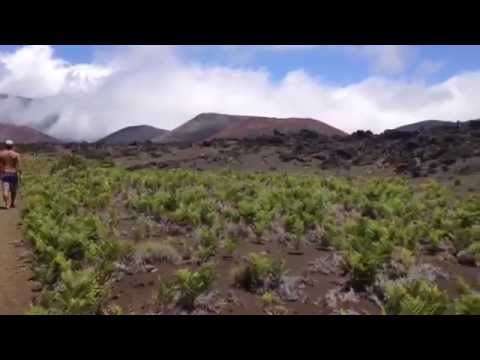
<point>230,245</point>
<point>423,298</point>
<point>402,260</point>
<point>474,248</point>
<point>67,161</point>
<point>468,303</point>
<point>260,272</point>
<point>166,292</point>
<point>187,286</point>
<point>208,244</point>
<point>269,298</point>
<point>38,310</point>
<point>415,298</point>
<point>156,252</point>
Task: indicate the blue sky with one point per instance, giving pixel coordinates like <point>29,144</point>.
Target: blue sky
<point>336,67</point>
<point>99,89</point>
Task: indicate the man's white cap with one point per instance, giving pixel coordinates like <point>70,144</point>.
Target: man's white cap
<point>9,142</point>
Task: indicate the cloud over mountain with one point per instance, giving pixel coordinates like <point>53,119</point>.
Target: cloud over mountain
<point>160,86</point>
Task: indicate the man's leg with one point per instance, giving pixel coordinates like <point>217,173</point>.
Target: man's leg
<point>13,192</point>
<point>6,194</point>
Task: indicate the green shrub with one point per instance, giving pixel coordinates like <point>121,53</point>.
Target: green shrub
<point>67,161</point>
<point>194,283</point>
<point>259,272</point>
<point>423,298</point>
<point>208,244</point>
<point>415,298</point>
<point>167,291</point>
<point>230,245</point>
<point>187,286</point>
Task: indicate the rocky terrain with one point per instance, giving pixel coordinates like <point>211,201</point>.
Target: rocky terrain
<point>440,152</point>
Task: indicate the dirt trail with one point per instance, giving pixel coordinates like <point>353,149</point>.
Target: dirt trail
<point>15,287</point>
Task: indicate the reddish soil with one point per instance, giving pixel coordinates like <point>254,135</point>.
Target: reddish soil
<point>136,293</point>
<point>15,262</point>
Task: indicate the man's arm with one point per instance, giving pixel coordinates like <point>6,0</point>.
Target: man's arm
<point>19,169</point>
<point>2,161</point>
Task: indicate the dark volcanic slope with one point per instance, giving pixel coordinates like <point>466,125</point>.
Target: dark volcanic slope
<point>208,126</point>
<point>24,135</point>
<point>254,127</point>
<point>132,134</point>
<point>425,125</point>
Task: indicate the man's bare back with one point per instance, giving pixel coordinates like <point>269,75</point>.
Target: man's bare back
<point>9,161</point>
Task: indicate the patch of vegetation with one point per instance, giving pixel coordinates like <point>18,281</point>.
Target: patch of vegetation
<point>208,244</point>
<point>259,272</point>
<point>187,286</point>
<point>67,161</point>
<point>156,252</point>
<point>423,298</point>
<point>379,226</point>
<point>230,245</point>
<point>75,247</point>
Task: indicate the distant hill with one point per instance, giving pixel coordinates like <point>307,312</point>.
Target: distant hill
<point>24,135</point>
<point>141,133</point>
<point>426,125</point>
<point>208,126</point>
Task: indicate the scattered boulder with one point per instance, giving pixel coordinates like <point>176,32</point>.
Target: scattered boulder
<point>398,134</point>
<point>347,153</point>
<point>290,157</point>
<point>401,168</point>
<point>414,167</point>
<point>361,134</point>
<point>331,162</point>
<point>466,258</point>
<point>337,297</point>
<point>320,157</point>
<point>450,160</point>
<point>327,265</point>
<point>291,289</point>
<point>209,302</point>
<point>37,286</point>
<point>309,134</point>
<point>412,145</point>
<point>474,124</point>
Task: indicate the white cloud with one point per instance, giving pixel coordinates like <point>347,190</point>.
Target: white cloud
<point>428,67</point>
<point>155,85</point>
<point>33,71</point>
<point>385,59</point>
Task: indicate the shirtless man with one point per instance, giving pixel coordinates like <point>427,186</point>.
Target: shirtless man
<point>9,173</point>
